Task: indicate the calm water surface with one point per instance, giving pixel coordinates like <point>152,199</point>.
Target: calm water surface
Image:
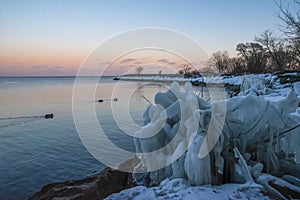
<point>36,151</point>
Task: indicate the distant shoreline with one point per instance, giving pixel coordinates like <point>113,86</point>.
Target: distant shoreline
<point>168,78</point>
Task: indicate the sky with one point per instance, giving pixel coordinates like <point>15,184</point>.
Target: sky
<point>54,37</point>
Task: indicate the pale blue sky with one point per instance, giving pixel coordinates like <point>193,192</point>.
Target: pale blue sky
<point>37,32</point>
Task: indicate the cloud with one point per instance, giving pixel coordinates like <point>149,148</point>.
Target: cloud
<point>127,60</point>
<point>105,63</point>
<point>55,67</point>
<point>20,63</point>
<point>127,67</point>
<point>40,66</point>
<point>89,69</point>
<point>47,67</point>
<point>166,61</point>
<point>13,66</point>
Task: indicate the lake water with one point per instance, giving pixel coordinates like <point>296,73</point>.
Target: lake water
<point>35,151</point>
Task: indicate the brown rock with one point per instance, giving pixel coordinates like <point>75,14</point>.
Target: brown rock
<point>97,186</point>
<point>285,191</point>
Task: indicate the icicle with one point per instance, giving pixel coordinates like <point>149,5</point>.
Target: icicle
<point>243,165</point>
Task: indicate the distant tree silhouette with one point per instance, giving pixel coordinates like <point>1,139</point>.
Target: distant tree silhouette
<point>220,60</point>
<point>188,71</point>
<point>278,53</point>
<point>267,52</point>
<point>139,69</point>
<point>185,68</point>
<point>291,29</point>
<point>236,66</point>
<point>253,57</point>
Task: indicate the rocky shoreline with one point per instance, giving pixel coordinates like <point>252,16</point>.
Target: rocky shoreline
<point>111,181</point>
<point>93,187</point>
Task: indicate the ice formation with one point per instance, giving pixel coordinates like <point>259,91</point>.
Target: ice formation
<point>256,84</point>
<point>256,136</point>
<point>174,122</point>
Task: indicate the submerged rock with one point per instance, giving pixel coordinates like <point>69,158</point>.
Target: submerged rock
<point>49,116</point>
<point>97,186</point>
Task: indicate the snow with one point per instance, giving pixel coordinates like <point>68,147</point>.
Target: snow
<point>290,74</point>
<point>178,189</point>
<point>232,80</point>
<point>212,80</point>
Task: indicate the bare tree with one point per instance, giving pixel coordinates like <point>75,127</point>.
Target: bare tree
<point>279,54</point>
<point>185,69</point>
<point>254,57</point>
<point>291,21</point>
<point>139,69</point>
<point>291,28</point>
<point>220,60</point>
<point>236,65</point>
<point>188,70</point>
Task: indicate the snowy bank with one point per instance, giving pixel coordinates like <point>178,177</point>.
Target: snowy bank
<point>179,79</point>
<point>269,78</point>
<point>178,189</point>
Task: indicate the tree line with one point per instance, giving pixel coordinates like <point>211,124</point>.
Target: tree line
<point>267,53</point>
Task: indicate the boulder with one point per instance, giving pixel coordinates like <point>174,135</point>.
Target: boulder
<point>97,186</point>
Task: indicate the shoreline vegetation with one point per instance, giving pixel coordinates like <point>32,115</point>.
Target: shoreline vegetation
<point>231,82</point>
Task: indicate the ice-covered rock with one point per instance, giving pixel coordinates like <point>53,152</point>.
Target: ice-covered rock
<point>182,126</point>
<point>175,118</point>
<point>257,85</point>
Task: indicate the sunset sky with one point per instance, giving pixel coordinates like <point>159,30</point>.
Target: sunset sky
<point>53,37</point>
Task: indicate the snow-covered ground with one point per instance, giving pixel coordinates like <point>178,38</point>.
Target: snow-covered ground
<point>233,80</point>
<point>178,189</point>
<point>264,114</point>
